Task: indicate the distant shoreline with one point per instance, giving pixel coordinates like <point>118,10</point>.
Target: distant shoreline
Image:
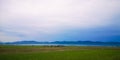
<point>107,45</point>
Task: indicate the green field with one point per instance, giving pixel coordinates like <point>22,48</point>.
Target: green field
<point>58,53</point>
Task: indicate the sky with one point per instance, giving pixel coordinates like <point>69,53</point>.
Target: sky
<point>59,20</point>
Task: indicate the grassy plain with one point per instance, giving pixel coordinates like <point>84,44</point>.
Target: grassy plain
<point>58,53</point>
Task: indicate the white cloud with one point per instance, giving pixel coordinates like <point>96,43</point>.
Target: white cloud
<point>29,17</point>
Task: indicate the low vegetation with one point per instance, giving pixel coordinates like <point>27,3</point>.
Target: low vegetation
<point>58,53</point>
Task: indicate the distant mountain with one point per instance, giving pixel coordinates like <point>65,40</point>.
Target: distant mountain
<point>1,43</point>
<point>23,42</point>
<point>63,42</point>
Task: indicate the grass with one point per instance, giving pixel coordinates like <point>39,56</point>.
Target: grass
<point>58,53</point>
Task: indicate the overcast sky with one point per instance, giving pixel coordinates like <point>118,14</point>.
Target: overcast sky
<point>58,20</point>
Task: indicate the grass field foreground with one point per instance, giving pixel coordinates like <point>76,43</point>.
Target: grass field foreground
<point>58,53</point>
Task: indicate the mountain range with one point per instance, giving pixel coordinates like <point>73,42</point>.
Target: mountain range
<point>62,42</point>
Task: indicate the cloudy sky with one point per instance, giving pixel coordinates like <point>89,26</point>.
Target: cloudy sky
<point>58,20</point>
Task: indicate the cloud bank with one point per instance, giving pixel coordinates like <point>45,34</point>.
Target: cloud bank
<point>44,19</point>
